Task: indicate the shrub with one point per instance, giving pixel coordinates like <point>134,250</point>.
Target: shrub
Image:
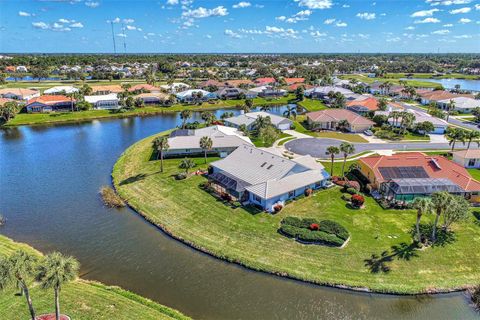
<point>225,196</point>
<point>335,228</point>
<point>314,226</point>
<point>358,200</point>
<point>308,192</point>
<point>353,184</point>
<point>110,198</point>
<point>181,176</point>
<point>310,230</point>
<point>351,191</point>
<point>277,208</point>
<point>475,295</point>
<point>346,197</point>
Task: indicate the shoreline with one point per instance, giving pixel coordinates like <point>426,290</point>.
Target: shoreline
<point>191,244</point>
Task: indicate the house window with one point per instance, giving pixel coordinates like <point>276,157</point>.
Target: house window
<point>257,198</point>
<point>291,194</point>
<point>317,185</point>
<point>471,162</point>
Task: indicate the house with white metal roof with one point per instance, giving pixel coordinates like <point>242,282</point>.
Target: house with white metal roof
<point>462,104</point>
<point>107,101</point>
<point>256,176</point>
<point>186,142</point>
<point>61,90</point>
<point>195,95</point>
<point>248,119</point>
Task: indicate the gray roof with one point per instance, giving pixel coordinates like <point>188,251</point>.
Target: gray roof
<point>463,102</point>
<point>326,89</point>
<point>250,117</point>
<point>266,174</point>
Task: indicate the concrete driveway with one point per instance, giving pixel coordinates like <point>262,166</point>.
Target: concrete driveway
<point>317,147</point>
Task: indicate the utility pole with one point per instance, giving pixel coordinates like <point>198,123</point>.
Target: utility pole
<point>113,37</point>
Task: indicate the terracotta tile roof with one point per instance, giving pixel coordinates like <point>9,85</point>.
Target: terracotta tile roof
<point>5,100</point>
<point>294,86</point>
<point>211,82</point>
<point>18,91</point>
<point>50,99</point>
<point>369,103</point>
<point>236,83</point>
<point>434,166</point>
<point>265,80</point>
<point>290,81</point>
<point>468,154</point>
<point>437,95</point>
<point>145,86</point>
<point>159,95</point>
<point>338,115</point>
<point>114,88</point>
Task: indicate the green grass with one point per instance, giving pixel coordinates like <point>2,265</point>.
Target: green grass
<point>80,299</point>
<point>433,76</point>
<point>257,142</point>
<point>475,173</point>
<point>337,166</point>
<point>251,239</point>
<point>57,117</point>
<point>415,136</point>
<point>281,143</point>
<point>341,136</point>
<point>312,105</point>
<point>414,83</point>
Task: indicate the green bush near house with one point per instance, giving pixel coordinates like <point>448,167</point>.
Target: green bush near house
<point>311,230</point>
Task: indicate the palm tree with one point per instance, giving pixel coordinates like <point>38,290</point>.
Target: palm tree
<point>187,164</point>
<point>343,124</point>
<point>346,148</point>
<point>440,201</point>
<point>185,115</point>
<point>265,108</point>
<point>407,120</point>
<point>55,271</point>
<point>454,135</point>
<point>208,117</point>
<point>206,144</point>
<point>395,116</point>
<point>472,135</point>
<point>262,122</point>
<point>247,107</point>
<point>450,107</point>
<point>160,144</point>
<point>423,205</point>
<point>19,270</point>
<point>290,111</point>
<point>226,115</point>
<point>332,151</point>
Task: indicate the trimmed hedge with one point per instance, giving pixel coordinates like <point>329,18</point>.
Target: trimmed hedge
<point>329,232</point>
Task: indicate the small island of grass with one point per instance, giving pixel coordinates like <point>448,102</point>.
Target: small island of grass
<point>380,255</point>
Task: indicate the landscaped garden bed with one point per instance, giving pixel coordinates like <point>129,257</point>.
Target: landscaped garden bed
<point>309,230</point>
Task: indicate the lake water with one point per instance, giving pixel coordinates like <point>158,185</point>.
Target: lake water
<point>473,85</point>
<point>49,182</point>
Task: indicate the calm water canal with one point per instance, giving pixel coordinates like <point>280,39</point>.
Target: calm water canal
<point>49,181</point>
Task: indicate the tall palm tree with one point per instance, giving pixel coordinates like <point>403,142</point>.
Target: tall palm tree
<point>407,120</point>
<point>332,151</point>
<point>206,144</point>
<point>471,136</point>
<point>186,164</point>
<point>54,272</point>
<point>395,116</point>
<point>208,117</point>
<point>440,201</point>
<point>454,135</point>
<point>265,108</point>
<point>450,107</point>
<point>346,148</point>
<point>160,144</point>
<point>19,270</point>
<point>185,115</point>
<point>290,111</point>
<point>262,122</point>
<point>423,205</point>
<point>247,107</point>
<point>343,124</point>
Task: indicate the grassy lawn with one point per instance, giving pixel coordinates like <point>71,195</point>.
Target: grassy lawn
<point>235,234</point>
<point>259,143</point>
<point>337,166</point>
<point>475,173</point>
<point>433,76</point>
<point>281,143</point>
<point>414,83</point>
<point>81,299</point>
<point>341,136</point>
<point>415,136</point>
<point>56,117</point>
<point>312,105</point>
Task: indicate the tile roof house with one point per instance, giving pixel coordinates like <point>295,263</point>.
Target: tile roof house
<point>191,95</point>
<point>328,120</point>
<point>467,158</point>
<point>144,87</point>
<point>61,90</point>
<point>405,176</point>
<point>291,81</point>
<point>48,103</point>
<point>248,119</point>
<point>230,93</point>
<point>440,125</point>
<point>362,106</point>
<point>462,104</point>
<point>5,100</point>
<point>156,98</point>
<point>322,92</point>
<point>265,91</point>
<point>19,93</point>
<point>256,176</point>
<point>175,87</point>
<point>184,142</point>
<point>106,89</point>
<point>295,86</point>
<point>437,95</point>
<point>264,81</point>
<point>107,101</point>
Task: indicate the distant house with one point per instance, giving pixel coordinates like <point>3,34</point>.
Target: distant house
<point>265,81</point>
<point>61,90</point>
<point>48,103</point>
<point>238,83</point>
<point>265,92</point>
<point>230,93</point>
<point>108,101</point>
<point>106,89</point>
<point>378,88</point>
<point>187,142</point>
<point>406,176</point>
<point>462,104</point>
<point>157,98</point>
<point>295,86</point>
<point>212,83</point>
<point>321,93</point>
<point>467,158</point>
<point>5,100</point>
<point>255,176</point>
<point>362,106</point>
<point>440,125</point>
<point>144,88</point>
<point>438,95</point>
<point>192,95</point>
<point>291,81</point>
<point>21,69</point>
<point>248,119</point>
<point>329,119</point>
<point>19,93</point>
<point>175,87</point>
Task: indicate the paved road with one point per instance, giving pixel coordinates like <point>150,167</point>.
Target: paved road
<point>317,147</point>
<point>466,125</point>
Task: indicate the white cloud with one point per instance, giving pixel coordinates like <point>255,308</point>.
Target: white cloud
<point>232,34</point>
<point>315,4</point>
<point>318,34</point>
<point>341,24</point>
<point>208,36</point>
<point>428,20</point>
<point>57,26</point>
<point>477,6</point>
<point>76,25</point>
<point>281,18</point>
<point>122,35</point>
<point>92,4</point>
<point>410,28</point>
<point>40,25</point>
<point>346,6</point>
<point>463,36</point>
<point>129,27</point>
<point>242,4</point>
<point>63,20</point>
<point>329,21</point>
<point>201,12</point>
<point>424,13</point>
<point>366,15</point>
<point>128,20</point>
<point>447,2</point>
<point>24,14</point>
<point>464,20</point>
<point>299,16</point>
<point>461,10</point>
<point>172,2</point>
<point>395,39</point>
<point>448,25</point>
<point>441,32</point>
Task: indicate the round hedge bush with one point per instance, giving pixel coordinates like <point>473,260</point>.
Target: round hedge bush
<point>326,232</point>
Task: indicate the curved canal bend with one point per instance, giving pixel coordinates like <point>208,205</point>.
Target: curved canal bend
<point>49,181</point>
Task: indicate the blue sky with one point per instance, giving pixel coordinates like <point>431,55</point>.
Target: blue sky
<point>240,26</point>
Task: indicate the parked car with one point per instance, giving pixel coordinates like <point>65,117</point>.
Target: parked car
<point>368,133</point>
